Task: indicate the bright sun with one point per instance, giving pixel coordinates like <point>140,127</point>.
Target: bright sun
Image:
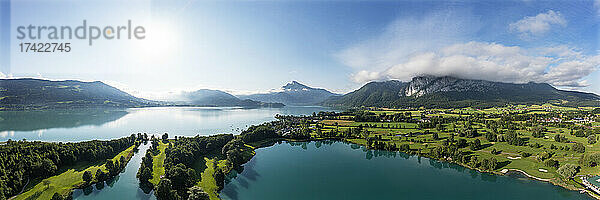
<point>160,44</point>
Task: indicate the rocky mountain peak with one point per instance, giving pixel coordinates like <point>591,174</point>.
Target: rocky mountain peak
<point>295,85</point>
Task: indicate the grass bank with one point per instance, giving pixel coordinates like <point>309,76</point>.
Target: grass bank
<point>71,179</point>
<point>158,168</point>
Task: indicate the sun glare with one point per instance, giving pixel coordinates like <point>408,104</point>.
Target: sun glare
<point>160,43</point>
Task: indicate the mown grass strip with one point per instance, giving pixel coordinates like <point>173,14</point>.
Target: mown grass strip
<point>67,181</point>
<point>158,168</point>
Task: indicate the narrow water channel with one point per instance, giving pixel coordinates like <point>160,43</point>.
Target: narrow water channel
<point>123,186</point>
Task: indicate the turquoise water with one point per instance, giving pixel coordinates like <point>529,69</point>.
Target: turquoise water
<point>90,124</point>
<point>335,170</point>
<point>594,180</point>
<point>123,186</point>
<point>315,170</point>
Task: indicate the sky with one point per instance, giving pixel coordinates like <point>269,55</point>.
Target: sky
<point>256,46</point>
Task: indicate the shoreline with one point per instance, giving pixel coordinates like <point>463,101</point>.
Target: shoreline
<point>585,189</point>
<point>502,172</point>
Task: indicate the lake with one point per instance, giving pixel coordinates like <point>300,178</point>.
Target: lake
<point>123,186</point>
<point>337,170</point>
<point>91,124</point>
<point>302,170</point>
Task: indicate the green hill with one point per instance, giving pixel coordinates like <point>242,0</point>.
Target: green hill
<point>206,97</point>
<point>445,92</point>
<point>18,94</point>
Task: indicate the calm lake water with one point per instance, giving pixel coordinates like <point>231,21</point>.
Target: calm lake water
<point>336,170</point>
<point>90,124</point>
<point>123,186</point>
<point>315,170</point>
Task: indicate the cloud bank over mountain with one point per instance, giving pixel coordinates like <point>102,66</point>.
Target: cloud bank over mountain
<point>432,46</point>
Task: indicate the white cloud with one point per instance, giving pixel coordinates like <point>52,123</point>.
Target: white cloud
<point>539,24</point>
<point>438,44</point>
<point>365,76</point>
<point>560,66</point>
<point>408,36</point>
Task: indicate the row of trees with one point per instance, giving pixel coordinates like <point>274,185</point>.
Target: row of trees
<point>21,161</point>
<point>144,174</point>
<point>180,157</point>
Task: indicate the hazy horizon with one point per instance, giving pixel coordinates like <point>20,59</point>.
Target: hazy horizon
<point>256,47</point>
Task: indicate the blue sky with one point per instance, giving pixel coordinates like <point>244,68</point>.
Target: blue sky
<point>254,46</point>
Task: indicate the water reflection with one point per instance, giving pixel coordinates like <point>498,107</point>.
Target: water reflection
<point>345,171</point>
<point>90,124</point>
<point>47,119</point>
<point>242,179</point>
<point>121,186</point>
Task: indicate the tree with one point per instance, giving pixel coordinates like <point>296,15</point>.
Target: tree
<point>475,145</point>
<point>435,136</point>
<point>57,196</point>
<point>181,177</point>
<point>591,139</point>
<point>404,147</point>
<point>220,178</point>
<point>560,138</point>
<point>567,170</point>
<point>196,193</point>
<point>489,163</point>
<point>122,161</point>
<point>461,143</point>
<point>513,139</point>
<point>579,133</point>
<point>100,175</point>
<point>165,138</point>
<point>48,167</point>
<point>579,148</point>
<point>551,163</point>
<point>46,182</point>
<point>491,136</point>
<point>110,165</point>
<point>87,176</point>
<point>145,174</point>
<point>538,132</point>
<point>164,191</point>
<point>543,156</point>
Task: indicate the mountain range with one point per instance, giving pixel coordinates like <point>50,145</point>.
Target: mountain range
<point>447,91</point>
<point>293,93</point>
<point>30,93</point>
<point>427,91</point>
<point>206,97</point>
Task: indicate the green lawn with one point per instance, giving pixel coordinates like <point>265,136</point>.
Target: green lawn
<point>530,165</point>
<point>67,181</point>
<point>207,182</point>
<point>158,169</point>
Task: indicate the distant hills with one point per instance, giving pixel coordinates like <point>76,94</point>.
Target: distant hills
<point>427,91</point>
<point>27,93</point>
<point>293,93</point>
<point>64,118</point>
<point>431,91</point>
<point>44,94</point>
<point>206,97</point>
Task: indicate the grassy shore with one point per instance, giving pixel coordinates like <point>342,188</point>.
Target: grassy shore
<point>211,165</point>
<point>158,168</point>
<point>71,179</point>
<point>525,158</point>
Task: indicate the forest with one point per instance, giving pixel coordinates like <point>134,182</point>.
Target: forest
<point>23,162</point>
